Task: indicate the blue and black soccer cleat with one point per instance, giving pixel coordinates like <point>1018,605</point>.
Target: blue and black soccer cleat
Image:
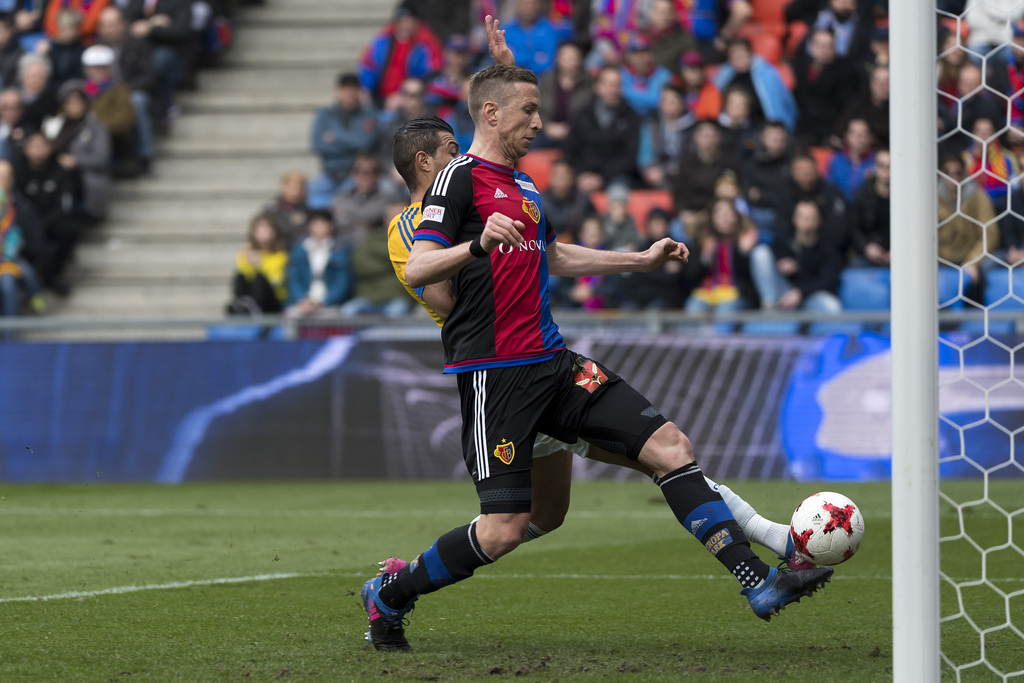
<point>783,587</point>
<point>387,626</point>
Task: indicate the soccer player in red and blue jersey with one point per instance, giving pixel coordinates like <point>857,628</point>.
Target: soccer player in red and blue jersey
<point>483,227</point>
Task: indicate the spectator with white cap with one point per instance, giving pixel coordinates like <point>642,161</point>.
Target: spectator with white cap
<point>112,103</point>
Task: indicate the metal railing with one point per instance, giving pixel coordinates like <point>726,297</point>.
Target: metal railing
<point>653,322</point>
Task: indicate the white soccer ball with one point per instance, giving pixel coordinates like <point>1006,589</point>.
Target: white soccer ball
<point>827,528</point>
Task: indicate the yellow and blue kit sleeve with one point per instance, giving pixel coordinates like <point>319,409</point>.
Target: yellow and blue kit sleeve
<point>400,232</point>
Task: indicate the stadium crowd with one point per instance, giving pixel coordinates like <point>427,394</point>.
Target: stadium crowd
<point>85,87</point>
<point>755,131</point>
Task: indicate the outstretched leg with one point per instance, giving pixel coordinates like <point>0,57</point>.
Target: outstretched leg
<point>758,529</point>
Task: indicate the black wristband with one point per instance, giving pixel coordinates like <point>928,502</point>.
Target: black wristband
<point>477,249</point>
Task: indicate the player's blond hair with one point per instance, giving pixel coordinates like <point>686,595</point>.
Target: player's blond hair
<point>495,84</point>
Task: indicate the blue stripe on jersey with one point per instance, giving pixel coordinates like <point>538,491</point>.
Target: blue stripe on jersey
<point>548,328</point>
<point>406,226</point>
<point>439,574</point>
<point>498,363</point>
<point>707,516</point>
<point>403,230</point>
<point>419,291</point>
<point>422,234</point>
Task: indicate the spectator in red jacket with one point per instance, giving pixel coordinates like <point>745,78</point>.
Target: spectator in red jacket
<point>703,98</point>
<point>88,9</point>
<point>404,48</point>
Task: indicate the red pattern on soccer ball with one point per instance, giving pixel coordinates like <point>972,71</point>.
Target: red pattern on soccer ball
<point>839,518</point>
<point>800,541</point>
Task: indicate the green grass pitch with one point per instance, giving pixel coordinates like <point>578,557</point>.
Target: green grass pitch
<point>620,592</point>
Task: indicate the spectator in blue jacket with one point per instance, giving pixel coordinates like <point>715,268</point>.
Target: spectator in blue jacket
<point>319,269</point>
<point>773,101</point>
<point>643,78</point>
<point>532,37</point>
<point>849,166</point>
<point>405,48</point>
<point>340,131</point>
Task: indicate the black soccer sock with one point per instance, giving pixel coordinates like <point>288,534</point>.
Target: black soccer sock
<point>704,514</point>
<point>453,557</point>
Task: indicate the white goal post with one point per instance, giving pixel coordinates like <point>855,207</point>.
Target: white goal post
<point>915,403</point>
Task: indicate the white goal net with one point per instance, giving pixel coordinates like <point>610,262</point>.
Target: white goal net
<point>980,86</point>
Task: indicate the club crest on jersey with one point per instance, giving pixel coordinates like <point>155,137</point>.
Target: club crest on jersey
<point>505,451</point>
<point>589,376</point>
<point>532,210</point>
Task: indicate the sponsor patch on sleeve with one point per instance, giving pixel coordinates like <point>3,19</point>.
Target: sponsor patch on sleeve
<point>527,185</point>
<point>433,213</point>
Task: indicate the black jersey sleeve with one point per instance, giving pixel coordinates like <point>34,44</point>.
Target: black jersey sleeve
<point>447,204</point>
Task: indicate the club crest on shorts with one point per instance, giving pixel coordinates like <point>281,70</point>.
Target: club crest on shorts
<point>505,451</point>
<point>532,210</point>
<point>589,376</point>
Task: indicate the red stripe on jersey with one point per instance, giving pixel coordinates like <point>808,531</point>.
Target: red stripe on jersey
<point>517,295</point>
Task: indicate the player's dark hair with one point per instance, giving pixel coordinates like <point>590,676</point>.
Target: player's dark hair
<point>493,85</point>
<point>422,134</point>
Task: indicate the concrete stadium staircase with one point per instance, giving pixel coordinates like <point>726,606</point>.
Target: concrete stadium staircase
<point>167,249</point>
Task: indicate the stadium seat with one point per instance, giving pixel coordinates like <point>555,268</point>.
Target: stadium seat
<point>769,14</point>
<point>864,289</point>
<point>949,288</point>
<point>1000,283</point>
<point>798,30</point>
<point>233,332</point>
<point>997,286</point>
<point>537,165</point>
<point>640,204</point>
<point>827,328</point>
<point>771,328</point>
<point>768,45</point>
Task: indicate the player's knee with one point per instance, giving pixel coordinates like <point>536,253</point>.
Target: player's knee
<point>668,449</point>
<point>551,516</point>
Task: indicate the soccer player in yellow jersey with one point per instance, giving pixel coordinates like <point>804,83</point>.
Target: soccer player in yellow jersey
<point>419,168</point>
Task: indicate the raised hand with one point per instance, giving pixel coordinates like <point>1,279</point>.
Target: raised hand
<point>501,53</point>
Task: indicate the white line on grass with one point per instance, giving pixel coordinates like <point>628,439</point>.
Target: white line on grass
<point>120,590</point>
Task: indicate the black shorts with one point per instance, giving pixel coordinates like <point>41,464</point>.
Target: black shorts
<point>567,397</point>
